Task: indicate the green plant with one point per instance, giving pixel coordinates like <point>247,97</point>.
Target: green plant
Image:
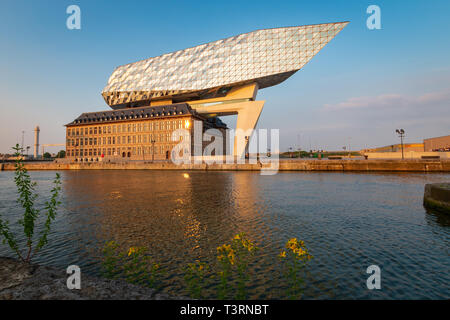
<point>135,267</point>
<point>226,260</point>
<point>140,268</point>
<point>111,260</point>
<point>27,197</point>
<point>234,260</point>
<point>196,278</point>
<point>232,268</point>
<point>294,259</point>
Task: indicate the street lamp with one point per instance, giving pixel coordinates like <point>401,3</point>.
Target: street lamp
<point>22,149</point>
<point>247,148</point>
<point>153,149</point>
<point>401,134</point>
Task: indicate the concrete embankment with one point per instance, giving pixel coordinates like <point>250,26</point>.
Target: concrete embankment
<point>437,196</point>
<point>21,281</point>
<point>284,165</point>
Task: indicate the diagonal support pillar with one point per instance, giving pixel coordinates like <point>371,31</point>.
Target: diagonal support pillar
<point>248,113</point>
<point>247,120</point>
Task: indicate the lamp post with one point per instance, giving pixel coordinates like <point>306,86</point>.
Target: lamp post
<point>247,154</point>
<point>153,149</point>
<point>401,134</point>
<point>21,147</point>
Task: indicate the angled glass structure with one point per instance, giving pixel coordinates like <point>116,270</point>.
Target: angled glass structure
<point>265,57</point>
<point>222,77</point>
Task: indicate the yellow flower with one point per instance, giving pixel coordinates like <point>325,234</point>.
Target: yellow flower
<point>131,251</point>
<point>225,247</point>
<point>237,237</point>
<point>231,257</point>
<point>283,254</point>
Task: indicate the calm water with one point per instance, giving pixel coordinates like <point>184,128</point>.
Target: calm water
<point>348,221</point>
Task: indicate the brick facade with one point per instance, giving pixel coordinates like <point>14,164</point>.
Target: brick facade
<point>132,134</point>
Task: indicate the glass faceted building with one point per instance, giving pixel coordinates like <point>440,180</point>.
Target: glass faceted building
<point>153,97</point>
<point>265,57</point>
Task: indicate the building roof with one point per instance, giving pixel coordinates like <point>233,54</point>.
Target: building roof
<point>394,147</point>
<point>172,110</point>
<point>267,57</point>
<point>440,137</point>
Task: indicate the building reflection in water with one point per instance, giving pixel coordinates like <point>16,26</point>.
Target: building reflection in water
<point>179,216</point>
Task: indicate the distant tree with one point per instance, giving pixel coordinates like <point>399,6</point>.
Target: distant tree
<point>61,154</point>
<point>47,155</point>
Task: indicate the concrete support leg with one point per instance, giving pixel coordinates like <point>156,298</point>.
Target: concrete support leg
<point>248,113</point>
<point>247,119</point>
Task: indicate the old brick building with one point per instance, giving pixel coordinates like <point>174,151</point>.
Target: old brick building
<point>143,133</point>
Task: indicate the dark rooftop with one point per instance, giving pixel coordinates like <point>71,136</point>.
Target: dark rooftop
<point>127,114</point>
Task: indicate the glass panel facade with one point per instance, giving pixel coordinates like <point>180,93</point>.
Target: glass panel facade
<point>266,56</point>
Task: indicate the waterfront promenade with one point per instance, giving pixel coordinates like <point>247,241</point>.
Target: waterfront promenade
<point>284,165</point>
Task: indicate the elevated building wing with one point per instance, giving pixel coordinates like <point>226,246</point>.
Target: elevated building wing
<point>263,57</point>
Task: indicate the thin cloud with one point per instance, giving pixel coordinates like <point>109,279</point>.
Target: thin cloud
<point>389,101</point>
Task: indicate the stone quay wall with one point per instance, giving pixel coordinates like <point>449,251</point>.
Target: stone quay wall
<point>437,196</point>
<point>284,165</point>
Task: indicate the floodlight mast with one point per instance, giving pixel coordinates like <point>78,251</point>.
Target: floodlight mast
<point>401,134</point>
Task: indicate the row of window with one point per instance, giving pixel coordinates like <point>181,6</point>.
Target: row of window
<point>118,151</point>
<point>130,127</point>
<point>139,139</point>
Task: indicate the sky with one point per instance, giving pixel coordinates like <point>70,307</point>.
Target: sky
<point>355,92</point>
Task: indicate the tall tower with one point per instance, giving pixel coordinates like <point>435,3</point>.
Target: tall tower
<point>36,142</point>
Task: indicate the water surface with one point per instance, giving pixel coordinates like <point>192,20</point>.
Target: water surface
<point>348,221</point>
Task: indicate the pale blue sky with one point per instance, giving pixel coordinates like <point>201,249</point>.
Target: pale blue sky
<point>357,90</point>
